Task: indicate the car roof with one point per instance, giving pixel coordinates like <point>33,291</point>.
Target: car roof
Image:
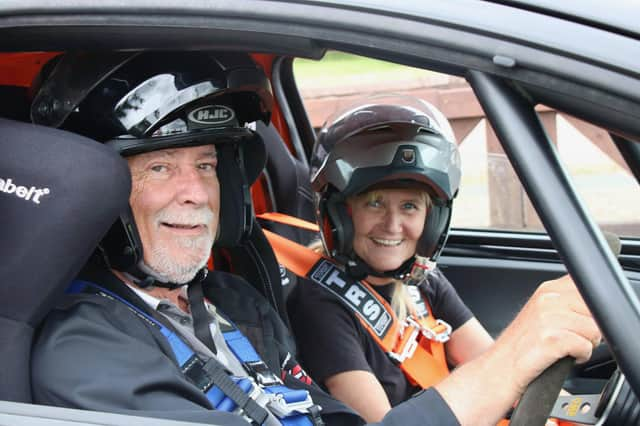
<point>615,16</point>
<point>618,15</point>
<point>535,21</point>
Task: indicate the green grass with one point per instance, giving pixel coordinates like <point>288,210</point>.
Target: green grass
<point>338,66</point>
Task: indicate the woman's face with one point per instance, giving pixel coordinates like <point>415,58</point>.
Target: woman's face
<point>387,225</point>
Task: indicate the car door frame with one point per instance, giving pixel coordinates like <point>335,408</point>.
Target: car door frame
<point>304,28</point>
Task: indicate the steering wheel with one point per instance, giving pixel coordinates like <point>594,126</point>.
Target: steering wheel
<point>542,393</point>
<point>615,405</point>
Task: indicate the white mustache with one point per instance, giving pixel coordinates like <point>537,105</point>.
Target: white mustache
<point>202,216</point>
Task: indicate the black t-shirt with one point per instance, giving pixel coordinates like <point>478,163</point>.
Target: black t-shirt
<point>332,340</point>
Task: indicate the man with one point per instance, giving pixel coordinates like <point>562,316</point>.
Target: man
<point>187,150</point>
<point>138,337</point>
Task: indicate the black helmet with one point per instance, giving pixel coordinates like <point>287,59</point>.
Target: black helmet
<point>388,140</point>
<point>145,101</point>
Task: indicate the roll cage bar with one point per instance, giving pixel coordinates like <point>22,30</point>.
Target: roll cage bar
<point>596,271</point>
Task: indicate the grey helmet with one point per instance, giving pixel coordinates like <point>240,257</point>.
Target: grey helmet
<point>393,141</point>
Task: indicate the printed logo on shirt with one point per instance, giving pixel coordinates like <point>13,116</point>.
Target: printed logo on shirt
<point>354,294</point>
<point>32,193</point>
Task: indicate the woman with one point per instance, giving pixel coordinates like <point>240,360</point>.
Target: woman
<point>385,172</point>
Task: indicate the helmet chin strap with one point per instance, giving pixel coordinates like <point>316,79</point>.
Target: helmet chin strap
<point>144,277</point>
<point>359,270</point>
<point>194,293</point>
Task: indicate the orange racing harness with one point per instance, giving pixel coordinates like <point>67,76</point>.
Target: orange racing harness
<point>415,344</point>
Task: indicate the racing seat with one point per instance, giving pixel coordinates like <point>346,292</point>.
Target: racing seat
<point>289,190</point>
<point>59,193</point>
<point>289,186</point>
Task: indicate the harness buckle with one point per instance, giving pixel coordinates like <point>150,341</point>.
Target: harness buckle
<point>437,335</point>
<point>261,373</point>
<point>441,333</point>
<point>409,348</point>
<point>281,408</point>
<point>195,370</point>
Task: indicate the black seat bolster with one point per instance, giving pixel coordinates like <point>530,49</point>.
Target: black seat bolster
<point>59,193</point>
<point>289,176</point>
<point>253,258</point>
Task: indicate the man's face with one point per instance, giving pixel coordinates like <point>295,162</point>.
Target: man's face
<point>175,199</point>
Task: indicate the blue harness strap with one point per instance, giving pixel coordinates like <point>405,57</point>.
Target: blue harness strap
<point>291,407</point>
<point>293,402</point>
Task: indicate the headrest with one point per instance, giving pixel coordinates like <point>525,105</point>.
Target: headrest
<point>59,193</point>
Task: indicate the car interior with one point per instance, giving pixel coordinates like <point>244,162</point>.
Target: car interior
<point>494,270</point>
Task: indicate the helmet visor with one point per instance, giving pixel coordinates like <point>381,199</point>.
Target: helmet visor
<point>128,146</point>
<point>72,78</point>
<point>374,112</point>
<point>351,169</point>
<point>251,144</point>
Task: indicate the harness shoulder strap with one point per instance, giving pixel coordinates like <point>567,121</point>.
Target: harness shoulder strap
<point>227,393</point>
<point>417,345</point>
<point>289,220</point>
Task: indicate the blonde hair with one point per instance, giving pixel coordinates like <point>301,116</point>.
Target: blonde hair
<point>401,301</point>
